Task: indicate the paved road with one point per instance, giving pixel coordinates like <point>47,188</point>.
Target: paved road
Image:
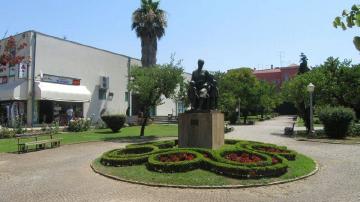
<point>63,174</point>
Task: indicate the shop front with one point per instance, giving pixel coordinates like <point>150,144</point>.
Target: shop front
<point>13,96</point>
<point>55,96</point>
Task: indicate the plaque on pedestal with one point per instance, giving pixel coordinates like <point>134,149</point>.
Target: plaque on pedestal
<point>201,129</point>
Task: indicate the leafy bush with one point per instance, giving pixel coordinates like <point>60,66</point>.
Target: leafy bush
<point>114,122</point>
<point>336,121</point>
<point>79,125</point>
<point>19,125</point>
<point>6,133</point>
<point>355,129</point>
<point>130,156</point>
<point>155,164</point>
<point>271,149</point>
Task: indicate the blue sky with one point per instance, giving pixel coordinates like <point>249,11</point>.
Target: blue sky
<point>225,33</point>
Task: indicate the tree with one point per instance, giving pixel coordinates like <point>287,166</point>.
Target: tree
<point>238,84</point>
<point>303,64</point>
<point>149,23</point>
<point>348,19</point>
<point>153,82</point>
<point>336,83</point>
<point>268,98</point>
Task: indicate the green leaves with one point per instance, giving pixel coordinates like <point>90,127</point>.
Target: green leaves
<point>153,82</point>
<point>348,19</point>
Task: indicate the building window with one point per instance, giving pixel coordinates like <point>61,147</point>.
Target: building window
<point>102,94</point>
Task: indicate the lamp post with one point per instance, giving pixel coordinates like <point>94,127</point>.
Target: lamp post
<point>310,89</point>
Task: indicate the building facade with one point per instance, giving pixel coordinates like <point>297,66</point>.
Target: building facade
<point>277,75</point>
<point>56,75</point>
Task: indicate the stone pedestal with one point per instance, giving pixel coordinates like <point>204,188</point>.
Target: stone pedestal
<point>201,129</point>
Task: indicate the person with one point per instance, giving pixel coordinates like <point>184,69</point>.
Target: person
<point>69,114</point>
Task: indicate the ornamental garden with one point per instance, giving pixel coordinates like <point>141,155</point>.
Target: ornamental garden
<point>237,163</point>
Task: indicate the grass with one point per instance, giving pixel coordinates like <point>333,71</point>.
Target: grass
<point>300,122</point>
<point>154,130</point>
<point>301,166</point>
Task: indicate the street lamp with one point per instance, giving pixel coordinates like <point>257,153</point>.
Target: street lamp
<point>310,89</point>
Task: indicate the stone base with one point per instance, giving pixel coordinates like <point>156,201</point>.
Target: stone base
<point>201,129</point>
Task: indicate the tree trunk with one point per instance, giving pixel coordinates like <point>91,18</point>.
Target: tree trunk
<point>144,122</point>
<point>148,51</point>
<point>142,131</point>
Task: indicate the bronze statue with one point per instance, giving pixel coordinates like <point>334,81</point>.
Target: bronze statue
<point>203,91</point>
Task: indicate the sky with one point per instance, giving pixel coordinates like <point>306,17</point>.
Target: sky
<point>225,33</point>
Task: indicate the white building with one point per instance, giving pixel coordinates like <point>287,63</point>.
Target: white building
<point>58,74</point>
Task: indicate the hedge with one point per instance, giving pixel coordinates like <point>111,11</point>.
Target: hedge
<point>114,122</point>
<point>155,164</point>
<point>336,120</point>
<point>289,154</point>
<point>160,144</point>
<point>206,159</point>
<point>219,156</point>
<point>129,156</point>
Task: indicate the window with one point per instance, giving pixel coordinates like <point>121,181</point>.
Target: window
<point>102,94</point>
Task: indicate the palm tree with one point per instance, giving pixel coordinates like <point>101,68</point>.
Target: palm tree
<point>149,23</point>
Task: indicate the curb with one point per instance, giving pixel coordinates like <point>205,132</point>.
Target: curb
<point>317,168</point>
<point>325,141</point>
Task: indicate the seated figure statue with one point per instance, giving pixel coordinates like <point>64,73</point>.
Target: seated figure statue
<point>202,91</point>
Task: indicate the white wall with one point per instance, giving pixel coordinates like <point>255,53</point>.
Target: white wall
<point>63,58</point>
<point>169,105</point>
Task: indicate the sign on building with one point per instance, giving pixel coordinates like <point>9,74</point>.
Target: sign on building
<point>60,80</point>
<point>23,71</point>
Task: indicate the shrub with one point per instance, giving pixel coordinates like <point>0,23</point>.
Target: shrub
<point>79,125</point>
<point>19,125</point>
<point>129,156</point>
<point>355,129</point>
<point>155,164</point>
<point>336,121</point>
<point>166,144</point>
<point>272,149</point>
<point>6,132</point>
<point>114,122</point>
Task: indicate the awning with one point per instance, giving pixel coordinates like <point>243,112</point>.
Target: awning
<point>61,92</point>
<point>16,90</point>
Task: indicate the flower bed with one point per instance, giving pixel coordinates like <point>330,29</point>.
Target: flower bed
<point>272,149</point>
<point>239,159</point>
<point>176,157</point>
<point>157,162</point>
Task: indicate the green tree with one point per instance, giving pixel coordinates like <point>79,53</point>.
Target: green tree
<point>336,83</point>
<point>303,64</point>
<point>149,23</point>
<point>268,97</point>
<point>238,84</point>
<point>153,82</point>
<point>349,19</point>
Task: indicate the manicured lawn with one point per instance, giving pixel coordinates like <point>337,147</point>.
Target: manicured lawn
<point>154,130</point>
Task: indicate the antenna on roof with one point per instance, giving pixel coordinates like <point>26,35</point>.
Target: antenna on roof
<point>281,61</point>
